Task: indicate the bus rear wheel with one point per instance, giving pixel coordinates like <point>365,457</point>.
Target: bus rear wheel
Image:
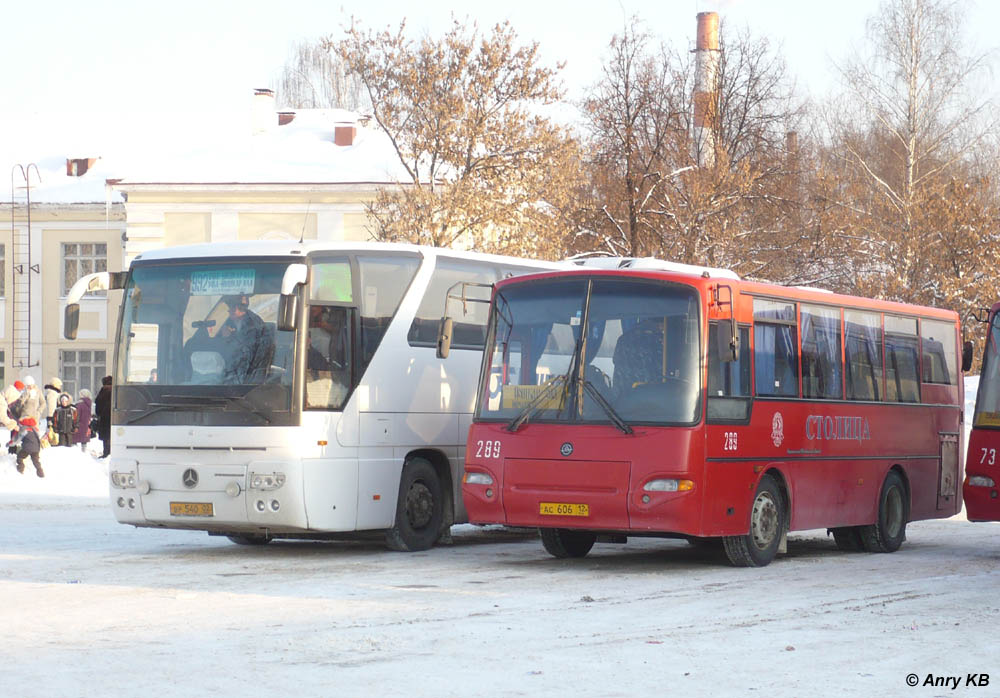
<point>419,508</point>
<point>565,542</point>
<point>889,529</point>
<point>767,524</point>
<point>848,538</point>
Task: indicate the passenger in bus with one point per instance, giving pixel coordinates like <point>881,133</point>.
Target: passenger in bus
<point>328,358</point>
<point>247,346</point>
<point>638,356</point>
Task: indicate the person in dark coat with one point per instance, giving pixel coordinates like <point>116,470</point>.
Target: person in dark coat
<point>84,411</point>
<point>102,405</point>
<point>29,445</point>
<point>247,347</point>
<point>64,420</point>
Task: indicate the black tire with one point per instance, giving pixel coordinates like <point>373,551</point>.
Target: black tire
<point>249,539</point>
<point>565,542</point>
<point>767,524</point>
<point>889,530</point>
<point>848,538</point>
<point>419,508</point>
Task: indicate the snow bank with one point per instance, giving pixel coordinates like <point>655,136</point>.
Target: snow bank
<point>69,472</point>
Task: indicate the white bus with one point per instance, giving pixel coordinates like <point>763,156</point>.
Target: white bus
<point>292,390</point>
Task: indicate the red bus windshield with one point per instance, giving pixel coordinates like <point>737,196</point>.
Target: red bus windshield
<point>594,350</point>
<point>988,400</point>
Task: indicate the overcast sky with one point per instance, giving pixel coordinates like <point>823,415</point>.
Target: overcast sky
<point>75,70</point>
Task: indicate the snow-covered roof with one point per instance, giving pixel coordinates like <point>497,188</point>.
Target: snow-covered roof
<point>206,151</point>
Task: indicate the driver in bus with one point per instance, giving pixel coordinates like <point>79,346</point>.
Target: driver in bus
<point>247,344</point>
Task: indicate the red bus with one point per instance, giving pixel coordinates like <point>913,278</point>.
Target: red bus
<point>982,467</point>
<point>639,401</point>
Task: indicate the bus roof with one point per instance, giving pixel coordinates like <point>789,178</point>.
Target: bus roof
<point>291,248</point>
<point>753,288</point>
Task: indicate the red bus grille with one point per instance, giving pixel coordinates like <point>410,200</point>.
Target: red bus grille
<point>602,486</point>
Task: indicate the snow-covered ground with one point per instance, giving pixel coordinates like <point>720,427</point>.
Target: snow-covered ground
<point>93,608</point>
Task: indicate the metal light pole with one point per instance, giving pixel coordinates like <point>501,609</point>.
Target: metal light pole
<point>26,175</point>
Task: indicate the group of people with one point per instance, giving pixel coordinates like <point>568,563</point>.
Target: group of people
<point>25,410</point>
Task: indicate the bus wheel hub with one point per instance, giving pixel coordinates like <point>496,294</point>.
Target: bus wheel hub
<point>419,505</point>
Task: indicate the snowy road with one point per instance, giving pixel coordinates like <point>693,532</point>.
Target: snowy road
<point>93,608</point>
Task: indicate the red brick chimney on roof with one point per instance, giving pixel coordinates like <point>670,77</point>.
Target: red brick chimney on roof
<point>77,167</point>
<point>344,133</point>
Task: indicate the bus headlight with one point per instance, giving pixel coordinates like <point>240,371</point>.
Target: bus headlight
<point>122,481</point>
<point>266,481</point>
<point>668,485</point>
<point>981,481</point>
<point>472,478</point>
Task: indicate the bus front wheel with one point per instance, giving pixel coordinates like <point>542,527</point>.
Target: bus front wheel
<point>767,523</point>
<point>419,508</point>
<point>889,530</point>
<point>564,542</point>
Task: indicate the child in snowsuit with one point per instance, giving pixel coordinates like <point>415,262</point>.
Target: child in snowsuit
<point>29,445</point>
<point>64,419</point>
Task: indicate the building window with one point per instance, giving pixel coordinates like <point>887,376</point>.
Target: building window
<point>80,259</point>
<point>81,369</point>
<point>3,273</point>
<point>3,364</point>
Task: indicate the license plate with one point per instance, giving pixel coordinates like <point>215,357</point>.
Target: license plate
<point>563,509</point>
<point>191,509</point>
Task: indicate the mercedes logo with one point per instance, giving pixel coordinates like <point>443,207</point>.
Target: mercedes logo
<point>566,449</point>
<point>190,478</point>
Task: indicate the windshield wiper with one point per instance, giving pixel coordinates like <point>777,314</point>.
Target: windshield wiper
<point>155,407</point>
<point>248,406</point>
<point>606,406</point>
<point>530,408</point>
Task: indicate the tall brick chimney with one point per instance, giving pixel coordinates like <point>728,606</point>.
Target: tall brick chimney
<point>706,89</point>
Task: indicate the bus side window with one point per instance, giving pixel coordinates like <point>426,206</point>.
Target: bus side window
<point>940,353</point>
<point>728,383</point>
<point>776,353</point>
<point>902,360</point>
<point>863,349</point>
<point>329,357</point>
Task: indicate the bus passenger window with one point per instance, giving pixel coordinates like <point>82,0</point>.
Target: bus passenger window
<point>940,352</point>
<point>902,360</point>
<point>863,348</point>
<point>728,382</point>
<point>328,357</point>
<point>776,354</point>
<point>821,370</point>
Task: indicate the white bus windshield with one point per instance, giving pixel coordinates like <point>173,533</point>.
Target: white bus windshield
<point>197,334</point>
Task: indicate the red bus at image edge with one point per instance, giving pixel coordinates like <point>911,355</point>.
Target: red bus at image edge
<point>982,467</point>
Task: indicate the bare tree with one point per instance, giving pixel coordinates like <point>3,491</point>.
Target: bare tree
<point>905,147</point>
<point>314,78</point>
<point>649,196</point>
<point>463,112</point>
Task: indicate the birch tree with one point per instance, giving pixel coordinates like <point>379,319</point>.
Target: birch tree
<point>908,134</point>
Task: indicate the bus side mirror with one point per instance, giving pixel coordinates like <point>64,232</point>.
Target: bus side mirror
<point>295,276</point>
<point>71,320</point>
<point>966,356</point>
<point>287,307</point>
<point>444,338</point>
<point>728,341</point>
